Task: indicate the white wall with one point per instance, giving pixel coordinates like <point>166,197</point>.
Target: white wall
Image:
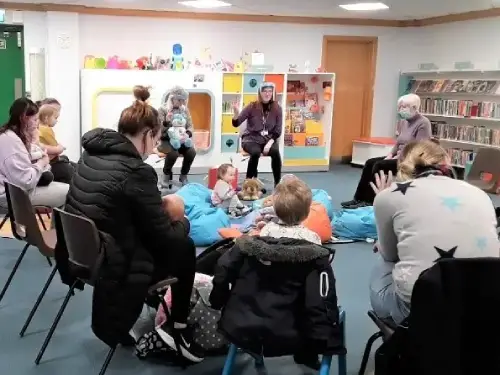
<point>476,41</point>
<point>133,37</point>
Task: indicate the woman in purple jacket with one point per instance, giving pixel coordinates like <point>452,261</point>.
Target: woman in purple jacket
<point>264,119</point>
<point>415,128</point>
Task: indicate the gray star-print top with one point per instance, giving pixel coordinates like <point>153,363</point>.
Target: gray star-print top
<point>429,218</point>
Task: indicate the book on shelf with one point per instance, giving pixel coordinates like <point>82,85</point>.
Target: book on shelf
<point>460,108</point>
<point>466,133</point>
<point>460,157</point>
<point>484,87</point>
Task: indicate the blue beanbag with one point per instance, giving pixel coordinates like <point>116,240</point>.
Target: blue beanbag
<point>205,220</point>
<point>357,224</point>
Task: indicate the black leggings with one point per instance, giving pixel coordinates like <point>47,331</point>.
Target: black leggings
<point>181,263</point>
<point>255,151</point>
<point>189,153</point>
<point>364,191</point>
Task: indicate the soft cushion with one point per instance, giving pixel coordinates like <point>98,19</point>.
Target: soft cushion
<point>319,222</point>
<point>205,220</point>
<point>357,224</point>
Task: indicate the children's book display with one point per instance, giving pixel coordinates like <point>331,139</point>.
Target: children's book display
<point>308,117</point>
<point>464,112</point>
<point>307,103</point>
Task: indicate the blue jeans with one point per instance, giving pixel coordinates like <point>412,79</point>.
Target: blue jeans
<point>383,298</point>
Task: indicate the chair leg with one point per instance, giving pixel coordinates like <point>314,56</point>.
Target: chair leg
<point>231,357</point>
<point>37,303</point>
<point>367,352</point>
<point>107,360</point>
<point>54,324</point>
<point>14,270</point>
<point>41,220</point>
<point>342,359</point>
<point>4,220</point>
<point>49,261</point>
<point>326,363</point>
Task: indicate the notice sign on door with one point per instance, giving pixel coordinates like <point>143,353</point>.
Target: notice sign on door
<point>3,44</point>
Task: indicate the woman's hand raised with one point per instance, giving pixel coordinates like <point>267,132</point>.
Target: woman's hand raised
<point>382,181</point>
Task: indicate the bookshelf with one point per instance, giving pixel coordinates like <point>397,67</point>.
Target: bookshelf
<point>307,103</point>
<point>463,107</point>
<point>242,88</point>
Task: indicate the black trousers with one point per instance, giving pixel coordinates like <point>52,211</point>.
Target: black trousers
<point>181,263</point>
<point>364,191</point>
<point>188,153</point>
<point>63,170</point>
<point>255,151</point>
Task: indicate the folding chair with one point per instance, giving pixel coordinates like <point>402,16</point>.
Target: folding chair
<point>325,362</point>
<point>85,257</point>
<point>487,160</point>
<point>25,228</point>
<point>386,329</point>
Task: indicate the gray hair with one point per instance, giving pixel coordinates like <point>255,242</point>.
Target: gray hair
<point>410,100</point>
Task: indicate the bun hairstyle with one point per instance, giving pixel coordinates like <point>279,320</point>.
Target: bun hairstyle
<point>420,155</point>
<point>140,115</point>
<point>141,93</point>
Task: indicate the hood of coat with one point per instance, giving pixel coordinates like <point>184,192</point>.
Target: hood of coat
<point>285,250</point>
<point>108,142</point>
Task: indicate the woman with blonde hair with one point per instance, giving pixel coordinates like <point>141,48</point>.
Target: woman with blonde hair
<point>406,214</point>
<point>413,127</point>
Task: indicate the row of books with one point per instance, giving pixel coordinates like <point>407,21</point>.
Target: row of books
<point>466,133</point>
<point>461,108</point>
<point>484,87</point>
<point>460,157</point>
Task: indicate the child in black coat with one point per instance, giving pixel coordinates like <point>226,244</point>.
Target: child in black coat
<point>278,292</point>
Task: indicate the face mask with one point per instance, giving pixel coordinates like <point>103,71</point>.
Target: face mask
<point>405,114</point>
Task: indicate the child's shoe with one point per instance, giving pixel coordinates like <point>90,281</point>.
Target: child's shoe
<point>310,360</point>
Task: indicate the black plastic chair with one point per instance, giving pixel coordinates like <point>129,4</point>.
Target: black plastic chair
<point>386,329</point>
<point>25,228</point>
<point>85,257</point>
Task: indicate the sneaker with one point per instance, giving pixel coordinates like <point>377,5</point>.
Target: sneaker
<point>183,179</point>
<point>166,182</point>
<point>189,349</point>
<point>349,203</point>
<point>357,205</point>
<point>308,359</point>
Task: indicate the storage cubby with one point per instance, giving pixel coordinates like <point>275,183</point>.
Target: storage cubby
<point>232,83</point>
<point>252,82</point>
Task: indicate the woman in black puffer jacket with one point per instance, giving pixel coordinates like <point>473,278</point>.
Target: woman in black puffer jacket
<point>114,188</point>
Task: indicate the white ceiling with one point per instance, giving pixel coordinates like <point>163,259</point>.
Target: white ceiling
<point>399,9</point>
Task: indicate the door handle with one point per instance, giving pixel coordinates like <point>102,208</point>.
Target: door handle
<point>18,88</point>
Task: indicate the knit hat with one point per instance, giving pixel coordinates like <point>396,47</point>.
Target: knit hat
<point>267,85</point>
<point>177,92</point>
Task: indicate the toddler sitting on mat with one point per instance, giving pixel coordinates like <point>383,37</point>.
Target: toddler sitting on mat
<point>224,196</point>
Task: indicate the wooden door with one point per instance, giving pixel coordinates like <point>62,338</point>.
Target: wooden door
<point>353,61</point>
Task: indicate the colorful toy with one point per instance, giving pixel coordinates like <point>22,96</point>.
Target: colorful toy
<point>162,63</point>
<point>142,63</point>
<point>177,63</point>
<point>177,132</point>
<point>113,63</point>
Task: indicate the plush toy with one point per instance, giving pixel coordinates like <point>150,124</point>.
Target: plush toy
<point>251,190</point>
<point>177,132</point>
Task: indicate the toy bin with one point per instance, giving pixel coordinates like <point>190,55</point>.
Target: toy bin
<point>212,178</point>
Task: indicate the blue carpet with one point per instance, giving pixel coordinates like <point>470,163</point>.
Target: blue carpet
<point>76,351</point>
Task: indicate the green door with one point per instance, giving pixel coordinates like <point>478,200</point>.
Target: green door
<point>12,77</point>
